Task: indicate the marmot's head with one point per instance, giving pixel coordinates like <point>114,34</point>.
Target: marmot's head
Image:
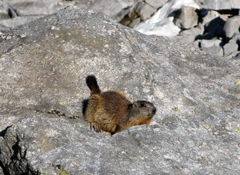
<point>142,111</point>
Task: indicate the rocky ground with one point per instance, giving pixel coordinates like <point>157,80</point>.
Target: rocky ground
<point>213,26</point>
<point>42,72</point>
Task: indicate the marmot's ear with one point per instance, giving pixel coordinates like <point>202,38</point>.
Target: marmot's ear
<point>133,105</point>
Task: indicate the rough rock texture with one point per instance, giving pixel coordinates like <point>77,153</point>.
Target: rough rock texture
<point>144,10</point>
<point>42,73</point>
<point>189,36</point>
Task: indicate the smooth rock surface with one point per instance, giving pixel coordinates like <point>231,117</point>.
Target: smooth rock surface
<point>212,46</point>
<point>189,36</point>
<point>42,73</point>
<point>231,48</point>
<point>219,4</point>
<point>186,18</point>
<point>210,15</point>
<point>232,26</point>
<point>145,11</point>
<point>156,3</point>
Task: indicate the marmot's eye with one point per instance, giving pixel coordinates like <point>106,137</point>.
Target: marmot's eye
<point>143,105</point>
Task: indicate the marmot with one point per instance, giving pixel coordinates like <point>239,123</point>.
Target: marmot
<point>112,112</point>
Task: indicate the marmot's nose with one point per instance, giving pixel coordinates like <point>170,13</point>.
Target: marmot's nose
<point>152,113</point>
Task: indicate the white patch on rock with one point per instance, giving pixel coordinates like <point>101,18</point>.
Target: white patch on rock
<point>161,23</point>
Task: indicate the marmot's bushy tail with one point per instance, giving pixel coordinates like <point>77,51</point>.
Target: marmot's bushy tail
<point>92,84</point>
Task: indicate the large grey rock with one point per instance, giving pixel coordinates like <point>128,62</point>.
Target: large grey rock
<point>232,26</point>
<point>189,36</point>
<point>4,10</point>
<point>219,4</point>
<point>13,153</point>
<point>144,10</point>
<point>186,18</point>
<point>47,131</point>
<point>43,69</point>
<point>212,46</point>
<point>156,3</point>
<point>134,22</point>
<point>210,15</point>
<point>231,48</point>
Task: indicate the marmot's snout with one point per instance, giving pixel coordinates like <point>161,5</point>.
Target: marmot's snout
<point>154,110</point>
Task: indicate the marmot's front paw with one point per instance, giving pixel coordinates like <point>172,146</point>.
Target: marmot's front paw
<point>95,127</point>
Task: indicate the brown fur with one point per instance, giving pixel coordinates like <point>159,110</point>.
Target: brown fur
<point>112,112</point>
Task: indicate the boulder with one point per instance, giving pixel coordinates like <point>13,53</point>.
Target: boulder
<point>231,48</point>
<point>186,18</point>
<point>208,16</point>
<point>189,36</point>
<point>232,26</point>
<point>144,10</point>
<point>212,46</point>
<point>219,4</point>
<point>134,22</point>
<point>156,3</point>
<point>4,10</point>
<point>43,91</point>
